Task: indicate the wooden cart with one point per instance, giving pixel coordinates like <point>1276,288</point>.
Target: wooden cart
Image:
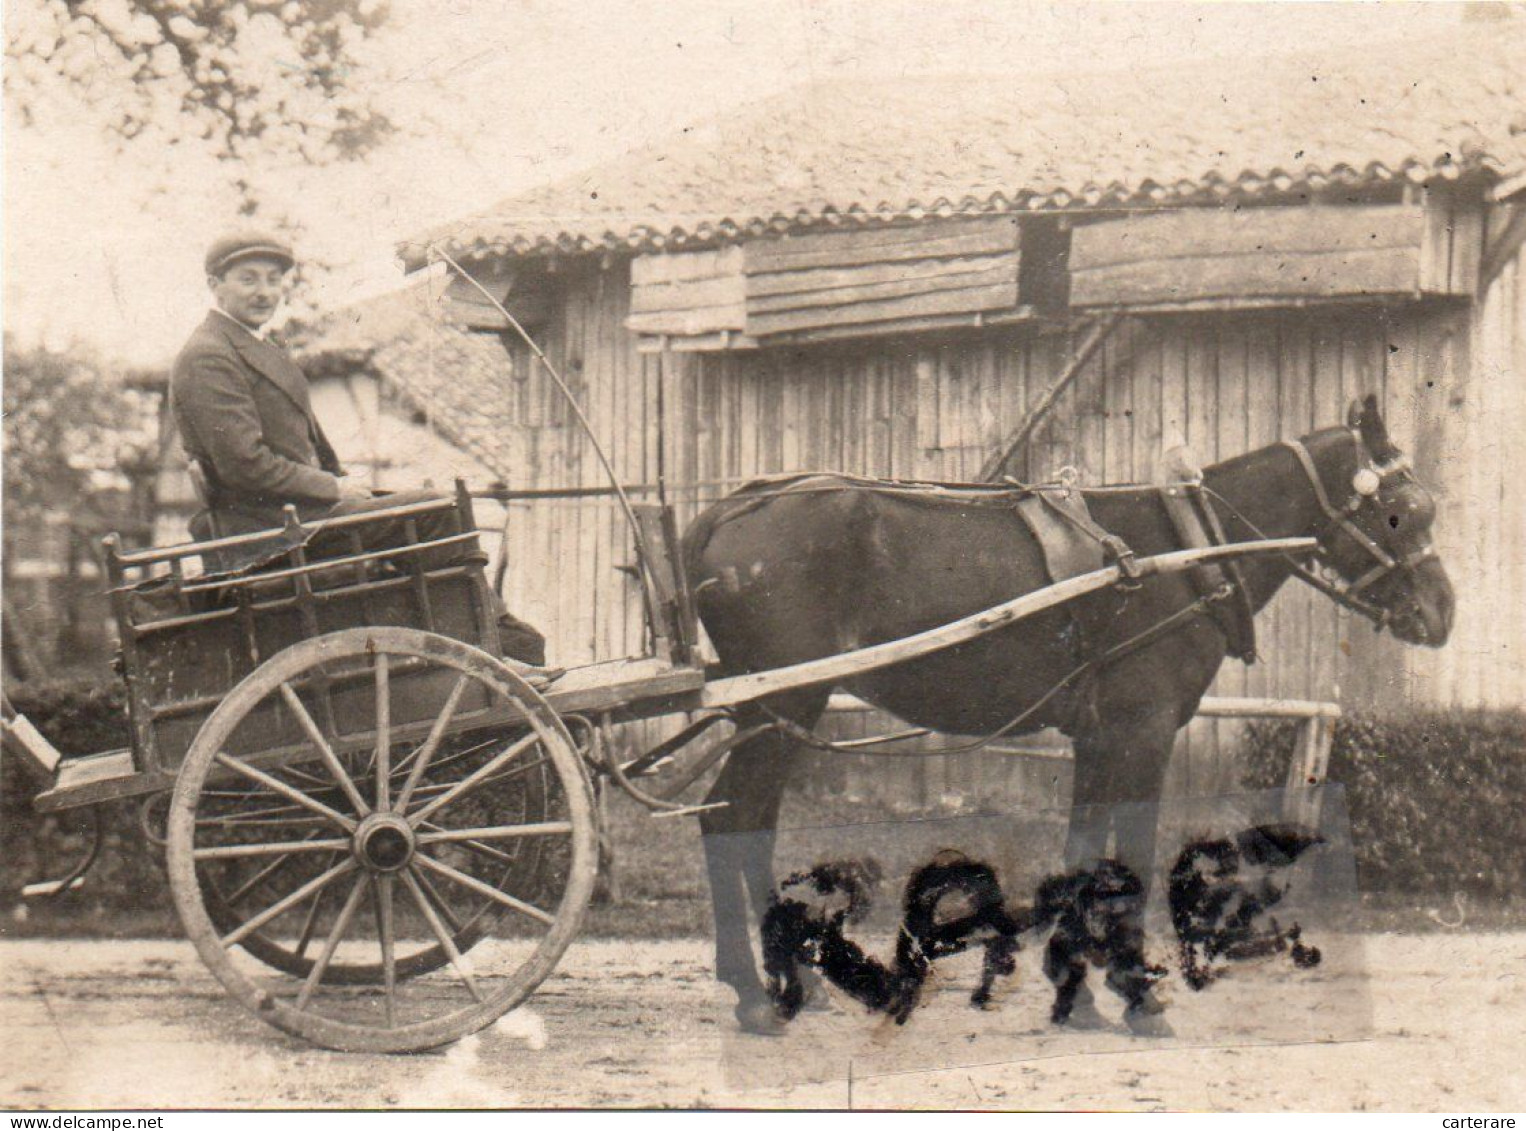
<point>378,835</point>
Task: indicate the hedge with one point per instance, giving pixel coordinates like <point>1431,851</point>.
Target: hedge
<point>1437,799</point>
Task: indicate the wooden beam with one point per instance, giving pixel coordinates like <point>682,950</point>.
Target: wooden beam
<point>922,325</point>
<point>689,323</point>
<point>848,248</point>
<point>1367,271</point>
<point>713,341</point>
<point>1095,336</point>
<point>24,741</point>
<point>1263,302</point>
<point>829,280</point>
<point>846,665</point>
<point>1503,245</point>
<point>1229,707</point>
<point>961,300</point>
<point>932,277</point>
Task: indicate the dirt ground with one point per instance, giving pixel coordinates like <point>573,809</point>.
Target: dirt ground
<point>1430,1022</point>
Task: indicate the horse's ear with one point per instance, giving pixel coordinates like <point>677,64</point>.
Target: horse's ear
<point>1369,419</point>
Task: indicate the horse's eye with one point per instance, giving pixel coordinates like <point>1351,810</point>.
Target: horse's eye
<point>1393,520</point>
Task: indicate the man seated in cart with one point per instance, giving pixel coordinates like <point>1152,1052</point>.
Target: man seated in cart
<point>245,417</point>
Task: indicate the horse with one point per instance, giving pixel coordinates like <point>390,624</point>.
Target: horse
<point>784,576</point>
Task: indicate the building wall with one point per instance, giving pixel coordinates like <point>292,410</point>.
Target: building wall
<point>936,407</point>
<point>1480,443</point>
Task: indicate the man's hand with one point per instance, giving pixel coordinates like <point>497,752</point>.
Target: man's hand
<point>351,490</point>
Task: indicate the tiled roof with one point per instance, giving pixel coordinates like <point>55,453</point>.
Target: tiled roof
<point>883,150</point>
<point>452,376</point>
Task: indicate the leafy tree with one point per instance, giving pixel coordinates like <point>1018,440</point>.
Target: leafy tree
<point>69,429</point>
<point>241,77</point>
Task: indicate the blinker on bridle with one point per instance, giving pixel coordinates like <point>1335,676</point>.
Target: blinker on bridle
<point>1367,481</point>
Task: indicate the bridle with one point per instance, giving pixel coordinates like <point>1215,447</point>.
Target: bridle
<point>1366,484</point>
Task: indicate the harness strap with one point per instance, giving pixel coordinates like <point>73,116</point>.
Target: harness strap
<point>1196,525</point>
<point>1341,516</point>
<point>1070,504</point>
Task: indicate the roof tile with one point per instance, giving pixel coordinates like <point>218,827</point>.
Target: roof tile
<point>899,148</point>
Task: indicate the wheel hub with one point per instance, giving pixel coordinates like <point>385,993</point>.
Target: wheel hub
<point>384,842</point>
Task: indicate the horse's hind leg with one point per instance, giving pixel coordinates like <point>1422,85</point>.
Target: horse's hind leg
<point>739,849</point>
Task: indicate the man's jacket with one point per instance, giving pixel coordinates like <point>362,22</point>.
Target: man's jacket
<point>244,413</point>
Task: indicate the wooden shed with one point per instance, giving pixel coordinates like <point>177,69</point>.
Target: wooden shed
<point>881,278</point>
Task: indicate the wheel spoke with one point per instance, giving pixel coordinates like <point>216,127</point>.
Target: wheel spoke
<point>286,791</point>
<point>456,755</point>
<point>506,832</point>
<point>519,770</point>
<point>432,791</point>
<point>383,734</point>
<point>325,751</point>
<point>426,753</point>
<point>483,889</point>
<point>272,823</point>
<point>282,848</point>
<point>317,883</point>
<point>446,943</point>
<point>259,877</point>
<point>249,816</point>
<point>475,846</point>
<point>381,891</point>
<point>473,779</point>
<point>331,944</point>
<point>310,923</point>
<point>438,900</point>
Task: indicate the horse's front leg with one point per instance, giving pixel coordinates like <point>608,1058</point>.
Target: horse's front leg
<point>1120,769</point>
<point>739,848</point>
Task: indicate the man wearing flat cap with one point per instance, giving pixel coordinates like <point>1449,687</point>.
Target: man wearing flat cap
<point>242,404</point>
<point>246,418</point>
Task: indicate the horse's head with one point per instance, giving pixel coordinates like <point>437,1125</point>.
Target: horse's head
<point>1378,534</point>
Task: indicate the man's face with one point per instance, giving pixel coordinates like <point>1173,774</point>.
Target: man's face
<point>250,290</point>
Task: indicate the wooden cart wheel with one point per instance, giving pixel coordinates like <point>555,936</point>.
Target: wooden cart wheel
<point>526,798</point>
<point>346,806</point>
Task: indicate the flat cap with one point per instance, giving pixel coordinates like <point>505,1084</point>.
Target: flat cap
<point>236,246</point>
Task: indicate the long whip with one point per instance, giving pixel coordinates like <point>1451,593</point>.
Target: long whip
<point>572,401</point>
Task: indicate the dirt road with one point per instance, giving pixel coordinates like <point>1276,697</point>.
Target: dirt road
<point>114,1024</point>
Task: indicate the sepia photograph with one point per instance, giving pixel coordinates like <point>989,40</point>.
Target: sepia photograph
<point>783,555</point>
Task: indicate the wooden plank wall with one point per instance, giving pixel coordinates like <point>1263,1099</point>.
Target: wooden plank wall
<point>859,277</point>
<point>927,407</point>
<point>1473,423</point>
<point>1190,255</point>
<point>1198,255</point>
<point>694,292</point>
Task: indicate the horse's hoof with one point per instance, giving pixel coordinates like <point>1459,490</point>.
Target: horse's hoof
<point>1084,1014</point>
<point>1085,1017</point>
<point>817,1000</point>
<point>1144,1021</point>
<point>760,1019</point>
